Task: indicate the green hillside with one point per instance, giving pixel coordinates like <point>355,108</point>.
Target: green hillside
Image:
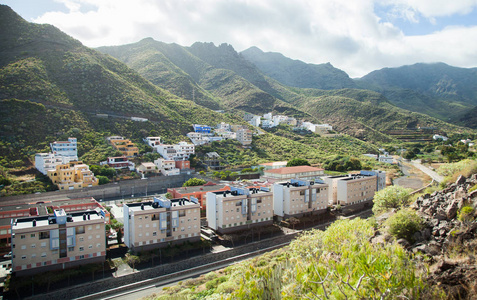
<point>436,89</point>
<point>219,77</point>
<point>296,73</point>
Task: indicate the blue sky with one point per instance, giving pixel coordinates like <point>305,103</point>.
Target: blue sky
<point>357,36</point>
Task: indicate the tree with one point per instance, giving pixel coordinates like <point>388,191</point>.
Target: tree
<point>168,195</point>
<point>409,155</point>
<point>390,197</point>
<point>298,162</point>
<point>102,179</point>
<point>194,182</point>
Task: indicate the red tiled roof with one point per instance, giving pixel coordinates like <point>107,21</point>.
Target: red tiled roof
<point>291,170</point>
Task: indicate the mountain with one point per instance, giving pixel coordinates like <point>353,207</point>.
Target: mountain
<point>71,84</point>
<point>436,89</point>
<point>296,73</point>
<point>240,85</point>
<point>227,80</point>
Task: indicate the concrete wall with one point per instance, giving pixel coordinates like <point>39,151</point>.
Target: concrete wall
<point>125,188</point>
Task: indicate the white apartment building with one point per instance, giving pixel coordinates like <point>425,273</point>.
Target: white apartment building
<point>153,224</point>
<point>61,153</point>
<point>152,140</point>
<point>295,198</point>
<point>244,136</point>
<point>58,241</point>
<point>65,148</point>
<point>176,152</point>
<point>355,188</point>
<point>49,161</point>
<point>239,208</point>
<point>167,167</point>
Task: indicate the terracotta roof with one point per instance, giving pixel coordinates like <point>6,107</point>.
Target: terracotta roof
<point>275,163</point>
<point>291,170</point>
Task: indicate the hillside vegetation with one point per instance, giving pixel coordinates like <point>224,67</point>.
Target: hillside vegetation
<point>339,263</point>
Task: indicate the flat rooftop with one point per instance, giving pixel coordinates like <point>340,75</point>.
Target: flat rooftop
<point>77,217</point>
<point>292,170</point>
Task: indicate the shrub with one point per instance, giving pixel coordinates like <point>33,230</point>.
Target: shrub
<point>390,197</point>
<point>466,214</point>
<point>194,182</point>
<point>404,224</point>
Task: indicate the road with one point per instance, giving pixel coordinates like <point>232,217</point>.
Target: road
<point>156,285</point>
<point>431,173</point>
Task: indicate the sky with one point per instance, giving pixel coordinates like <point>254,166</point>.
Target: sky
<point>356,36</point>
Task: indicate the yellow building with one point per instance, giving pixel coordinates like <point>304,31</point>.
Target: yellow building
<point>73,175</point>
<point>125,146</point>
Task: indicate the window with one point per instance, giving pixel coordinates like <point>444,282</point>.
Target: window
<point>81,256</point>
<point>43,254</point>
<point>70,249</point>
<point>33,255</point>
<point>23,247</point>
<point>22,236</point>
<point>98,226</point>
<point>90,227</point>
<point>23,256</point>
<point>32,235</point>
<point>79,229</point>
<point>81,239</point>
<point>154,233</point>
<point>81,248</point>
<point>33,245</point>
<point>90,247</point>
<point>43,244</point>
<point>98,245</point>
<point>98,236</point>
<point>90,237</point>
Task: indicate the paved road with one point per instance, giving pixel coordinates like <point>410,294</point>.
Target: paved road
<point>431,173</point>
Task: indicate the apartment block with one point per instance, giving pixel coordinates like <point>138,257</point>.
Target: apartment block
<point>147,168</point>
<point>62,152</point>
<point>239,208</point>
<point>180,151</point>
<point>9,212</point>
<point>244,136</point>
<point>296,198</point>
<point>73,175</point>
<point>65,148</point>
<point>155,224</point>
<point>49,161</point>
<point>57,241</point>
<point>353,188</point>
<point>125,146</point>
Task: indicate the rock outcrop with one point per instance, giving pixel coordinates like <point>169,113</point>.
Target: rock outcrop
<point>448,244</point>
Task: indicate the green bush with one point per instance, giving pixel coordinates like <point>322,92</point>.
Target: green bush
<point>194,182</point>
<point>390,197</point>
<point>404,224</point>
<point>466,214</point>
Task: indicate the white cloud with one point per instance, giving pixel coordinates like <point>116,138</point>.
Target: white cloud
<point>346,33</point>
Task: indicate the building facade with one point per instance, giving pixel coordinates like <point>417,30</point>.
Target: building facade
<point>298,172</point>
<point>119,162</point>
<point>244,136</point>
<point>65,148</point>
<point>57,241</point>
<point>355,188</point>
<point>74,175</point>
<point>125,146</point>
<point>155,224</point>
<point>239,208</point>
<point>295,198</point>
<point>167,167</point>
